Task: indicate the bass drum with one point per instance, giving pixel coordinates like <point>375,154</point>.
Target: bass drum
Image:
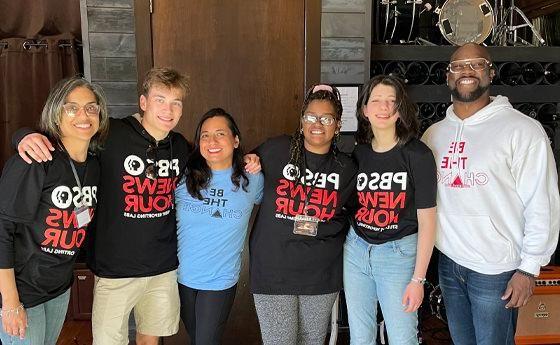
<point>464,21</point>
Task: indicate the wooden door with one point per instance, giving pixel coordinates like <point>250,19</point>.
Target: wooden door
<point>254,58</point>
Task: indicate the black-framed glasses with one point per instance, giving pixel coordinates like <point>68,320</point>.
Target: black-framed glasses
<point>91,109</point>
<point>325,120</point>
<point>478,64</point>
<point>151,170</point>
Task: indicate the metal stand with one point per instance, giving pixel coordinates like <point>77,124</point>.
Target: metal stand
<point>506,32</point>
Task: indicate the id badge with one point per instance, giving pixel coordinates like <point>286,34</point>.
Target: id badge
<point>82,215</point>
<point>305,225</point>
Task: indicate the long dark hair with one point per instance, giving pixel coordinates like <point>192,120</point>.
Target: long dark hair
<point>199,173</point>
<point>321,93</point>
<point>407,124</point>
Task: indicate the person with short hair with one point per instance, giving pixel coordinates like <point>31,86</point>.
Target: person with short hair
<point>498,212</point>
<point>44,211</point>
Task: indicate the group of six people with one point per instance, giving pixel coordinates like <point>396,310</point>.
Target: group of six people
<point>166,222</point>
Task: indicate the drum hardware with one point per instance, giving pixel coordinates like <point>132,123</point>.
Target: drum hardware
<point>506,32</point>
<point>387,4</point>
<point>414,3</point>
<point>464,21</point>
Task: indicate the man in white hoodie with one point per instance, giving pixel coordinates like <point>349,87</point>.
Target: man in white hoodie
<point>498,203</point>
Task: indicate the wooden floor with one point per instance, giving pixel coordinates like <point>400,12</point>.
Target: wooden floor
<point>79,333</point>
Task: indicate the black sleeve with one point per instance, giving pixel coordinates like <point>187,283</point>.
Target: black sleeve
<point>20,134</point>
<point>424,174</point>
<point>21,185</point>
<point>7,230</point>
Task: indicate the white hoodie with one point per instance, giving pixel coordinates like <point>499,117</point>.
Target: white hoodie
<point>498,202</point>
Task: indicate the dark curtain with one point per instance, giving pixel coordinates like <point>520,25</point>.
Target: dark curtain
<point>38,47</point>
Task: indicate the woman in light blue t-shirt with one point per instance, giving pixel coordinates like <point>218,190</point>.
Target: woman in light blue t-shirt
<point>214,204</point>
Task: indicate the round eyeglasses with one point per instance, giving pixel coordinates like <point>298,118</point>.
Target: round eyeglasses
<point>72,109</point>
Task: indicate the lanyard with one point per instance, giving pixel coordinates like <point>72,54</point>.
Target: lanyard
<point>319,171</point>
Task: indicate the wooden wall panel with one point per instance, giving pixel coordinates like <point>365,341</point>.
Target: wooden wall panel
<point>110,52</point>
<point>112,44</point>
<point>245,56</point>
<point>116,69</point>
<point>344,5</point>
<point>119,93</point>
<point>342,49</point>
<point>342,25</point>
<point>345,41</point>
<point>343,72</point>
<point>111,20</point>
<point>110,3</point>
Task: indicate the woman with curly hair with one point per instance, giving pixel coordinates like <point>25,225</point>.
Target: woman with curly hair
<point>297,239</point>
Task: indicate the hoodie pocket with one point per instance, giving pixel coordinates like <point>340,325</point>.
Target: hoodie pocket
<point>474,239</point>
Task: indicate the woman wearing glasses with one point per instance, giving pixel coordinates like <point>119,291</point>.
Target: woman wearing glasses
<point>214,204</point>
<point>390,243</point>
<point>296,243</point>
<point>44,212</point>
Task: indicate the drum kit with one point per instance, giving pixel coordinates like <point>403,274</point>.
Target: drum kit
<point>459,22</point>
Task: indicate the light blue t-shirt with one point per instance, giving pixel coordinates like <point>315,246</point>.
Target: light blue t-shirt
<point>211,232</point>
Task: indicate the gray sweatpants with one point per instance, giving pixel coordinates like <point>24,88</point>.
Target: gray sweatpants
<point>294,319</point>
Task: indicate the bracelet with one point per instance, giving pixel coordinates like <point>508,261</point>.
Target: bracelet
<point>418,280</point>
<point>6,313</point>
<point>527,274</point>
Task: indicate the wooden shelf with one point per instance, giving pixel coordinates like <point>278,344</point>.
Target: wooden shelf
<point>442,53</point>
<point>516,94</point>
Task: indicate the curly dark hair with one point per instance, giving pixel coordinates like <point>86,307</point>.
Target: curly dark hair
<point>407,125</point>
<point>296,144</point>
<point>199,173</point>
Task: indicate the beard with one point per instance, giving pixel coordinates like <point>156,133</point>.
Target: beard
<point>470,96</point>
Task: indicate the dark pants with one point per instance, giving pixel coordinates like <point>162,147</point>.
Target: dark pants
<point>205,313</point>
<point>476,314</point>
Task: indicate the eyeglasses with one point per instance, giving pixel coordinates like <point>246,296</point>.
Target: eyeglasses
<point>151,171</point>
<point>72,109</point>
<point>459,66</point>
<point>324,120</point>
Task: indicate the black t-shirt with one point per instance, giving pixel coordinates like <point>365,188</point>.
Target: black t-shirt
<point>281,261</point>
<point>39,233</point>
<point>391,187</point>
<point>134,233</point>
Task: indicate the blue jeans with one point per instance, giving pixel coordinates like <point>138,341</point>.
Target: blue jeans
<point>44,323</point>
<point>381,273</point>
<point>475,311</point>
